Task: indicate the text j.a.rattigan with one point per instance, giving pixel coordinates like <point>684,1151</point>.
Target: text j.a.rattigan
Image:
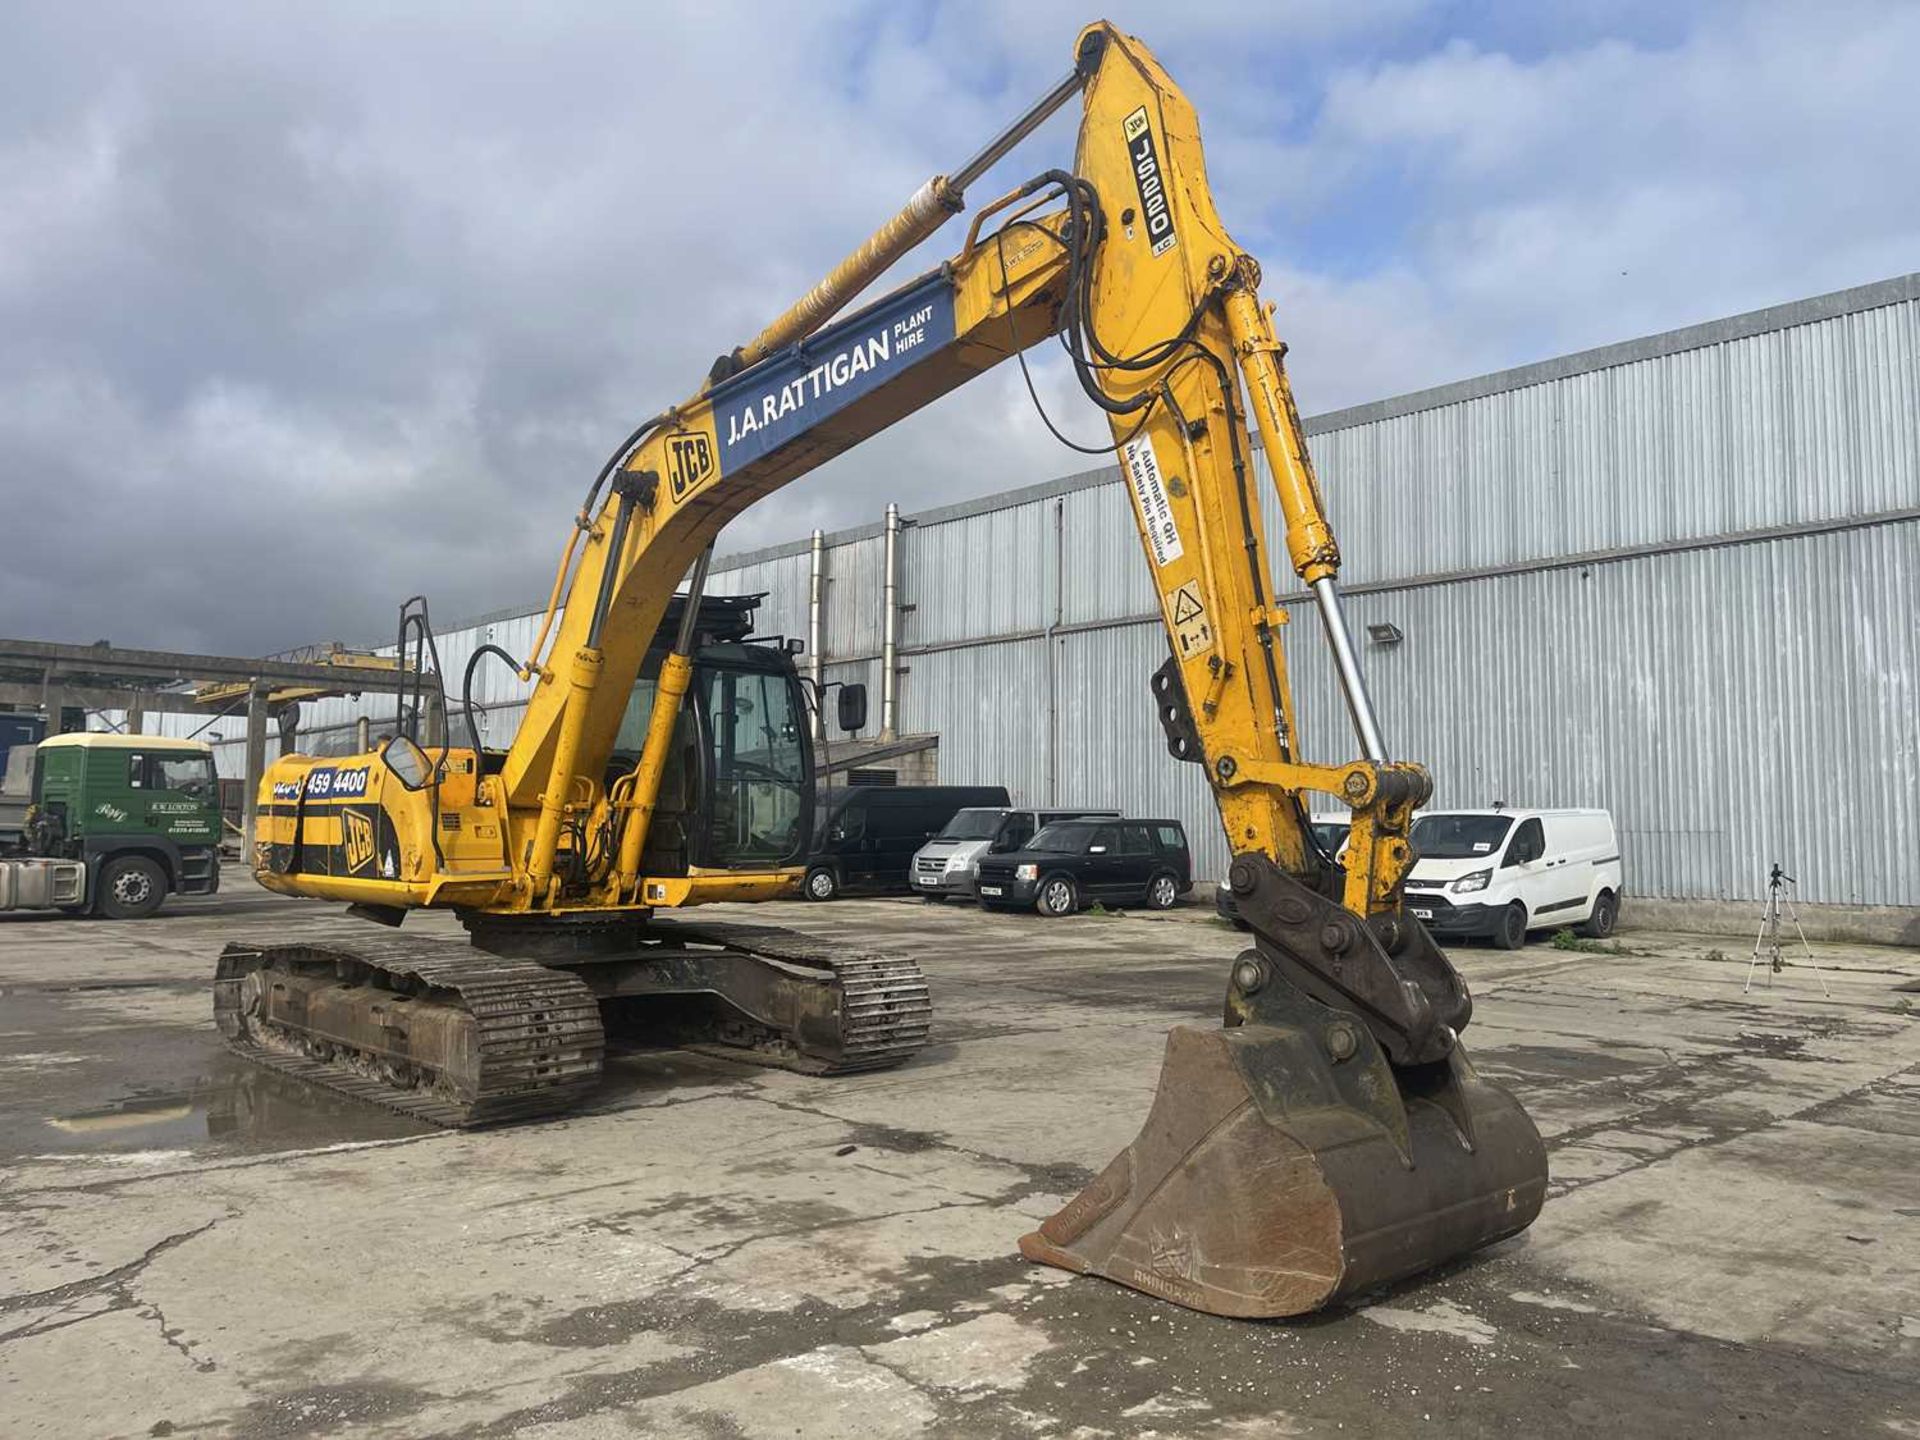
<point>828,376</point>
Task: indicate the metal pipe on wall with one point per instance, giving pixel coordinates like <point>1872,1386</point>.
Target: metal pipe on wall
<point>890,627</point>
<point>816,598</point>
<point>1053,628</point>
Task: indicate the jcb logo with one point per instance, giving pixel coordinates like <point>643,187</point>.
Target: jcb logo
<point>689,463</point>
<point>1149,180</point>
<point>356,833</point>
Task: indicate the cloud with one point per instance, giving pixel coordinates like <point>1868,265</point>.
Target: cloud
<point>1616,188</point>
<point>307,310</point>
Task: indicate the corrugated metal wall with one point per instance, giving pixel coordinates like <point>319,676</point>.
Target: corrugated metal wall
<point>1812,422</point>
<point>1734,698</point>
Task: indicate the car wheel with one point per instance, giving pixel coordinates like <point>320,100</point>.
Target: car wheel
<point>1163,892</point>
<point>131,888</point>
<point>1512,934</point>
<point>821,883</point>
<point>1057,897</point>
<point>1606,913</point>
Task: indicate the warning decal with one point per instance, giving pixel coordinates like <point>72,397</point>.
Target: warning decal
<point>1156,513</point>
<point>1192,631</point>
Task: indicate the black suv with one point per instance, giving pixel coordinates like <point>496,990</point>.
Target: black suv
<point>1075,862</point>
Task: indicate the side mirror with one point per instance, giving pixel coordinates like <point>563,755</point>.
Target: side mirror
<point>407,763</point>
<point>1096,849</point>
<point>853,707</point>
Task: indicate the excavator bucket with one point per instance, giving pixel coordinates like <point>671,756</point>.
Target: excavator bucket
<point>1286,1166</point>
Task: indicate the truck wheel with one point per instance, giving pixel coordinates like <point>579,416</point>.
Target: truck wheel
<point>1057,897</point>
<point>1512,934</point>
<point>821,883</point>
<point>131,888</point>
<point>1606,912</point>
<point>1163,891</point>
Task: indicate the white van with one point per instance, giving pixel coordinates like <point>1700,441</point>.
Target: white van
<point>1500,873</point>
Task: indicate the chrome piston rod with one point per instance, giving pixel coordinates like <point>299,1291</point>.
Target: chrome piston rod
<point>941,198</point>
<point>1353,684</point>
<point>996,149</point>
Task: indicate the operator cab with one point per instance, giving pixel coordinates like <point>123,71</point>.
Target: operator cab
<point>737,793</point>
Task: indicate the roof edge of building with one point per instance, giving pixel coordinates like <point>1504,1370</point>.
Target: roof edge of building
<point>1873,296</point>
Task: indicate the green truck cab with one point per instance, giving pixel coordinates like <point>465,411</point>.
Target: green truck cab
<point>141,813</point>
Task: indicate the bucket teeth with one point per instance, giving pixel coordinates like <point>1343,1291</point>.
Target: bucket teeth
<point>1255,1190</point>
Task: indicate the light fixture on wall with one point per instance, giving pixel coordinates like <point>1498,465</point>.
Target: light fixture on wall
<point>1385,633</point>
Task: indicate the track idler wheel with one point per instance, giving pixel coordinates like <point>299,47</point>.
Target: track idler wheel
<point>1286,1166</point>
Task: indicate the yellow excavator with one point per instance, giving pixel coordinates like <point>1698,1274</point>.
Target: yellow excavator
<point>1329,1136</point>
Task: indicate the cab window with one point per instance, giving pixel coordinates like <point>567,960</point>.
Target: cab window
<point>1065,838</point>
<point>187,774</point>
<point>1016,832</point>
<point>849,824</point>
<point>1103,839</point>
<point>1529,843</point>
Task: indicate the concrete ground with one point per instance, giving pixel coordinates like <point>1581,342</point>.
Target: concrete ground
<point>187,1246</point>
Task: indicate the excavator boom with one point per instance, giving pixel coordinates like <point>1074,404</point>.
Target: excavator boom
<point>1331,1134</point>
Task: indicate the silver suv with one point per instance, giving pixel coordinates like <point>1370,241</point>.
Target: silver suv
<point>945,865</point>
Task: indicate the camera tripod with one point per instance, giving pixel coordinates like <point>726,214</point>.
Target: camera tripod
<point>1766,945</point>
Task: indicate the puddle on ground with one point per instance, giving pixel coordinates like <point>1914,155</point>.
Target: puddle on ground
<point>233,1106</point>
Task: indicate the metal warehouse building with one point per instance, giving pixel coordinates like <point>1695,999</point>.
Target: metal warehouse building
<point>1677,577</point>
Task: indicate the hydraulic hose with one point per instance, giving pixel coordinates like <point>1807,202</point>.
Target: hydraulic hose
<point>466,690</point>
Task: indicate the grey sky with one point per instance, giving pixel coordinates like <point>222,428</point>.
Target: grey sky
<point>305,309</point>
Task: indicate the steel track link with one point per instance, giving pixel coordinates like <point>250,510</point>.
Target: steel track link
<point>886,1013</point>
<point>537,1030</point>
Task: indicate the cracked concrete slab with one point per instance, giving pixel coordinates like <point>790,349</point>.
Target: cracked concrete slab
<point>189,1245</point>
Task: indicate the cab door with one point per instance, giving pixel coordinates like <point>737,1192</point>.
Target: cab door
<point>1525,864</point>
<point>180,797</point>
<point>861,823</point>
<point>1104,869</point>
<point>1137,862</point>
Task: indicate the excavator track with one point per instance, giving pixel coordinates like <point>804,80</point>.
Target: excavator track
<point>436,1031</point>
<point>455,1036</point>
<point>884,1009</point>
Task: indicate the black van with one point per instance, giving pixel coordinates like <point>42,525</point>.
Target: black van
<point>867,834</point>
<point>1076,862</point>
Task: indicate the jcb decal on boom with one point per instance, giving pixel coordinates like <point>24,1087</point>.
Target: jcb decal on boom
<point>689,463</point>
<point>1149,180</point>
